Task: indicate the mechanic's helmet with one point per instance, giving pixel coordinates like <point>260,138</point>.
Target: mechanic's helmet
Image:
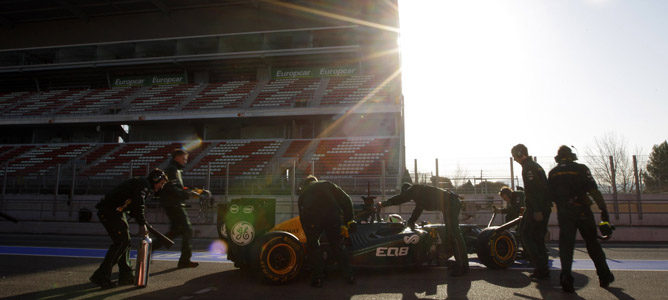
<point>565,154</point>
<point>405,187</point>
<point>306,182</point>
<point>395,218</point>
<point>156,175</point>
<point>519,150</point>
<point>505,191</point>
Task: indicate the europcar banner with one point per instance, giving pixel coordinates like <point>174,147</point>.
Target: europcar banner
<point>149,80</point>
<point>316,72</point>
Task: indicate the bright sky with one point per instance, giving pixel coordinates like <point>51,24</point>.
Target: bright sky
<point>481,76</point>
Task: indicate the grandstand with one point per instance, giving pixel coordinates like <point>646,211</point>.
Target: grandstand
<point>258,91</point>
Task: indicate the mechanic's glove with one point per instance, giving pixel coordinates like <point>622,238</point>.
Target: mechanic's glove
<point>606,228</point>
<point>411,225</point>
<point>352,226</point>
<point>604,216</point>
<point>344,231</point>
<point>495,209</point>
<point>143,230</point>
<point>537,216</point>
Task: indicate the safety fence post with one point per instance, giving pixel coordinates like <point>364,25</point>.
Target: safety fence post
<point>382,178</point>
<point>208,177</point>
<point>417,179</point>
<point>615,204</point>
<point>4,186</point>
<point>55,189</point>
<point>435,181</point>
<point>638,193</point>
<point>293,183</point>
<point>512,174</point>
<point>227,182</point>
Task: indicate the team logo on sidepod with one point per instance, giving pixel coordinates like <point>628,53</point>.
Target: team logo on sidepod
<point>242,233</point>
<point>413,239</point>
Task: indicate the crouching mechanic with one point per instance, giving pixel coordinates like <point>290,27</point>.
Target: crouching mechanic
<point>435,199</point>
<point>127,198</point>
<point>570,184</point>
<point>173,199</point>
<point>325,207</point>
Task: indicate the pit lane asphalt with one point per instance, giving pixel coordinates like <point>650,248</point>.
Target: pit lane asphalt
<point>44,277</point>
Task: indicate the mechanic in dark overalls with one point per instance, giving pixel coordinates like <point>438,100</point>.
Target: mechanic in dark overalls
<point>325,208</point>
<point>127,198</point>
<point>514,203</point>
<point>173,199</point>
<point>570,184</point>
<point>435,199</point>
<point>533,227</point>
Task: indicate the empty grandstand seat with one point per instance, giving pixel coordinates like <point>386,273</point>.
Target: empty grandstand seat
<point>97,100</point>
<point>354,156</point>
<point>221,95</point>
<point>39,159</point>
<point>162,98</point>
<point>245,158</point>
<point>353,89</point>
<point>139,155</point>
<point>285,92</point>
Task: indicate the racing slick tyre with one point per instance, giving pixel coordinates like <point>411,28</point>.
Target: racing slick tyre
<point>496,250</point>
<point>277,257</point>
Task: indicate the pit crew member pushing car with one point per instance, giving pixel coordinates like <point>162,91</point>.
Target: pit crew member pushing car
<point>570,184</point>
<point>435,199</point>
<point>127,198</point>
<point>325,207</point>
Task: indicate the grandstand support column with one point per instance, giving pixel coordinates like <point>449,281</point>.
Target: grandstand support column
<point>131,167</point>
<point>637,179</point>
<point>512,175</point>
<point>55,189</point>
<point>382,179</point>
<point>615,204</point>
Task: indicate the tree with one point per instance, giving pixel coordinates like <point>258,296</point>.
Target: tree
<point>598,160</point>
<point>656,176</point>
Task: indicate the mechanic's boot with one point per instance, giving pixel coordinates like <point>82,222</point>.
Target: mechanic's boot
<point>126,278</point>
<point>101,281</point>
<point>457,271</point>
<point>187,264</point>
<point>540,274</point>
<point>316,283</point>
<point>605,282</point>
<point>566,283</point>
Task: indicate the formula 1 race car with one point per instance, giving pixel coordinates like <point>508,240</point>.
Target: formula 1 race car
<point>279,255</point>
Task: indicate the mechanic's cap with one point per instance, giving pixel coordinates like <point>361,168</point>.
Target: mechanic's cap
<point>565,154</point>
<point>156,175</point>
<point>405,186</point>
<point>519,150</point>
<point>306,182</point>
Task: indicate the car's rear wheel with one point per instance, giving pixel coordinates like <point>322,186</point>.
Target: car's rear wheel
<point>277,257</point>
<point>496,250</point>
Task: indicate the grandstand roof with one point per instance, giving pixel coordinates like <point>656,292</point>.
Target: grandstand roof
<point>14,12</point>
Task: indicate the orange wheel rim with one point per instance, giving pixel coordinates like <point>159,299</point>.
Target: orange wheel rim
<point>281,259</point>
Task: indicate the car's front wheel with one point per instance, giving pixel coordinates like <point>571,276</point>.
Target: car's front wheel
<point>496,250</point>
<point>277,257</point>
